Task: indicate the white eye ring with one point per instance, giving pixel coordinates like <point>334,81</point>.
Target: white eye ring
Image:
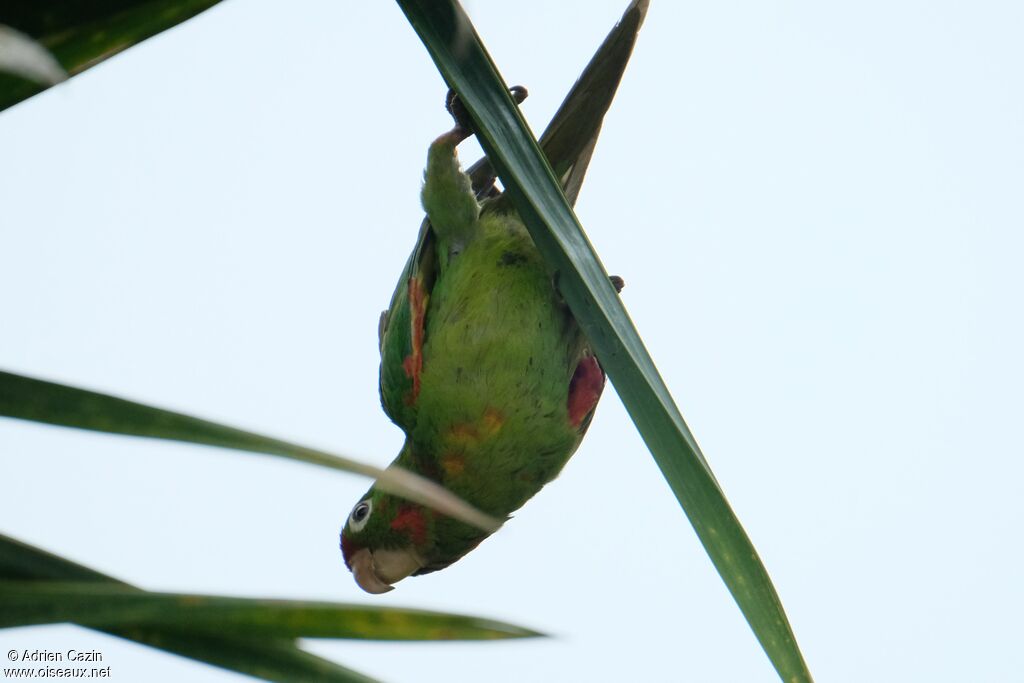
<point>360,515</point>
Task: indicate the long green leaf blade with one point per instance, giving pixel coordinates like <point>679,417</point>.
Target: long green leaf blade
<point>83,34</point>
<point>27,398</point>
<point>108,605</point>
<point>270,659</point>
<point>459,55</point>
<point>570,137</point>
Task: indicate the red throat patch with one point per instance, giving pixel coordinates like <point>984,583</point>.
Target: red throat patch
<point>348,549</point>
<point>585,389</point>
<point>410,521</point>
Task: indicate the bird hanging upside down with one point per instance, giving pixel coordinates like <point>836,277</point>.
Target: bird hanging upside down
<point>482,366</point>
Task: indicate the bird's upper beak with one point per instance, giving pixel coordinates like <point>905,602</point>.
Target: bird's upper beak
<point>375,571</point>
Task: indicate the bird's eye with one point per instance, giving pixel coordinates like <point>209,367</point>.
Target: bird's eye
<point>360,515</point>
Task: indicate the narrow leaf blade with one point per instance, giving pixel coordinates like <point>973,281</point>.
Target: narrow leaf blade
<point>570,137</point>
<point>108,605</point>
<point>459,55</point>
<point>27,398</point>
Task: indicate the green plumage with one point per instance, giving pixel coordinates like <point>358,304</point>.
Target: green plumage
<point>499,353</point>
<point>482,364</point>
<point>483,392</point>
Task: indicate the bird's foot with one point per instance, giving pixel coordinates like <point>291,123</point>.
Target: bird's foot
<point>463,122</point>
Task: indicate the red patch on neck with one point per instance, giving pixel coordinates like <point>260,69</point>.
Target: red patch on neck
<point>584,389</point>
<point>410,521</point>
<point>348,548</point>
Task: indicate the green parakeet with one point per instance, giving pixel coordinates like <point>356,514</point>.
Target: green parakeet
<point>482,364</point>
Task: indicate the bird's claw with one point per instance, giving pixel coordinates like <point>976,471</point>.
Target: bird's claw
<point>463,122</point>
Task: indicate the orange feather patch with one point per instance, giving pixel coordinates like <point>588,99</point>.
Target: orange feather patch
<point>413,363</point>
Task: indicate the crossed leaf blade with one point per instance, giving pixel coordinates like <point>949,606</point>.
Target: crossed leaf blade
<point>461,58</point>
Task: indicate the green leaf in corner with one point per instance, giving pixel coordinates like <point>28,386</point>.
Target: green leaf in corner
<point>82,34</point>
<point>270,659</point>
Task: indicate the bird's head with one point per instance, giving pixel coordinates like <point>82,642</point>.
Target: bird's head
<point>385,539</point>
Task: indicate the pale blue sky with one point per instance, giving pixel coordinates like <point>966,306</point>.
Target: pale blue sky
<point>816,208</point>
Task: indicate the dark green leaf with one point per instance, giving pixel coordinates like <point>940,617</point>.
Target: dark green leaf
<point>272,660</point>
<point>81,34</point>
<point>531,184</point>
<point>32,399</point>
<point>110,605</point>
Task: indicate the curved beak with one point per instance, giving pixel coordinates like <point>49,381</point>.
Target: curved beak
<point>376,571</point>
